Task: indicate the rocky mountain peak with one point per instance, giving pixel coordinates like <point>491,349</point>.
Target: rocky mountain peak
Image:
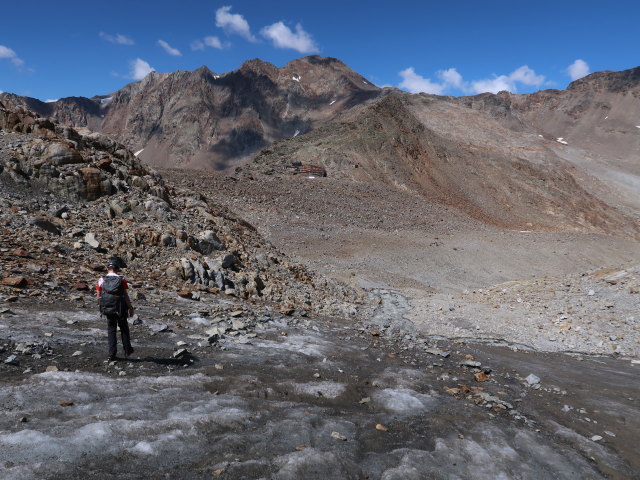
<point>257,67</point>
<point>203,70</point>
<point>616,82</point>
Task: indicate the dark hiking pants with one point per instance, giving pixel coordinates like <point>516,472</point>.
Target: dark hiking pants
<point>113,322</point>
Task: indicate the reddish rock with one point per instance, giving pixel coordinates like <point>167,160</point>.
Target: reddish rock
<point>93,182</point>
<point>15,282</point>
<point>104,164</point>
<point>83,287</point>
<point>287,310</point>
<point>21,252</point>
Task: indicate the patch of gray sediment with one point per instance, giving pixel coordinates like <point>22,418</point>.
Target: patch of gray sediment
<point>305,398</point>
<point>595,312</point>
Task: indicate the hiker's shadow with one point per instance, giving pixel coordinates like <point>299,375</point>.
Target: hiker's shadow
<point>175,362</point>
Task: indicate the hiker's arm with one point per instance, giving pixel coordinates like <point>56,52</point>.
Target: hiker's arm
<point>127,301</point>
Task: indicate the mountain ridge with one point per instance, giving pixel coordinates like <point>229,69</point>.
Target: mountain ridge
<point>553,159</point>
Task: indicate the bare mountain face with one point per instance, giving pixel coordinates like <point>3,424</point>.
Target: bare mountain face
<point>456,156</point>
<point>201,119</point>
<point>594,124</point>
<point>552,160</point>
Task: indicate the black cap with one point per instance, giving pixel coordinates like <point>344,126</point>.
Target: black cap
<point>115,263</point>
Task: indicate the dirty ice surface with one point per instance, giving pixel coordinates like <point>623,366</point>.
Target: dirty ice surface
<point>305,399</point>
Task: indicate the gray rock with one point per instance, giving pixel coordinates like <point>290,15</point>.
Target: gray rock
<point>12,360</point>
<point>118,207</point>
<point>229,261</point>
<point>167,240</point>
<point>174,271</point>
<point>180,352</point>
<point>498,401</point>
<point>470,363</point>
<point>60,154</point>
<point>90,239</point>
<point>532,379</point>
<point>201,275</point>
<point>188,272</point>
<point>338,436</point>
<point>45,225</point>
<point>208,242</point>
<point>238,324</point>
<point>435,351</point>
<point>59,211</point>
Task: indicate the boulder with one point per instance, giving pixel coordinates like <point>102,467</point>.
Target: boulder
<point>96,184</point>
<point>229,261</point>
<point>174,271</point>
<point>58,153</point>
<point>201,275</point>
<point>90,239</point>
<point>187,270</point>
<point>44,224</point>
<point>15,282</point>
<point>139,182</point>
<point>167,240</point>
<point>119,207</point>
<point>208,242</point>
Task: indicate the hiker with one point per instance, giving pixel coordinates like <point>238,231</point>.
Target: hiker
<point>111,293</point>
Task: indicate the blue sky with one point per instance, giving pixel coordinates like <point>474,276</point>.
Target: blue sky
<point>51,49</point>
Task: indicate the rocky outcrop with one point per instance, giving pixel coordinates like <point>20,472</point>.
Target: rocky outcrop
<point>74,164</point>
<point>69,199</point>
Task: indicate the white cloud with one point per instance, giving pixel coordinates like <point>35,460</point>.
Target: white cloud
<point>233,23</point>
<point>498,83</point>
<point>578,69</point>
<point>283,37</point>
<point>140,69</point>
<point>169,49</point>
<point>494,85</point>
<point>213,42</point>
<point>197,45</point>
<point>51,100</point>
<point>118,38</point>
<point>527,76</point>
<point>415,83</point>
<point>451,79</point>
<point>6,52</point>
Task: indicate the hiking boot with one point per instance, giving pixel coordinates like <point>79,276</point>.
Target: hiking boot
<point>111,358</point>
<point>129,352</point>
